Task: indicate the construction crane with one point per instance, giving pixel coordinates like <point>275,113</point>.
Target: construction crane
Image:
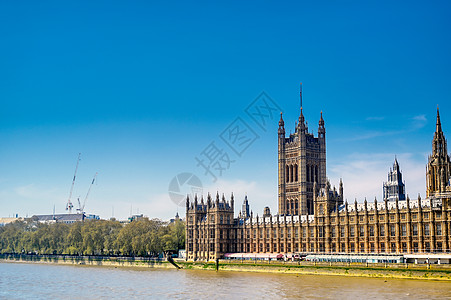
<point>81,208</point>
<point>69,204</point>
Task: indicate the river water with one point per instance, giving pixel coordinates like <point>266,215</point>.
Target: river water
<point>47,281</point>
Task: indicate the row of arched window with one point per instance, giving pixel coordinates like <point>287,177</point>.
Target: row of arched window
<point>293,207</point>
<point>291,173</point>
<point>312,173</point>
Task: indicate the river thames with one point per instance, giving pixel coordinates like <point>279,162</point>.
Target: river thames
<point>47,281</point>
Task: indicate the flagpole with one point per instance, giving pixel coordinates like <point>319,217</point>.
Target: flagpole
<point>300,94</point>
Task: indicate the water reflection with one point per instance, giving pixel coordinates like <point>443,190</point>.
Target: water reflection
<point>42,281</point>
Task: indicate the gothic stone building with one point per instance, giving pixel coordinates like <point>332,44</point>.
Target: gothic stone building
<point>313,218</point>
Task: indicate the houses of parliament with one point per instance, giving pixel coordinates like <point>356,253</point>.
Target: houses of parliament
<point>313,216</point>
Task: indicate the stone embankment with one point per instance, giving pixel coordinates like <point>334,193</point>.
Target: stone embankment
<point>405,271</point>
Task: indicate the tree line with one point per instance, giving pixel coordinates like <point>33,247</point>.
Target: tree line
<point>142,237</point>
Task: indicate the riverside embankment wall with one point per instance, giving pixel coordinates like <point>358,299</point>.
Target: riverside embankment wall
<point>406,271</point>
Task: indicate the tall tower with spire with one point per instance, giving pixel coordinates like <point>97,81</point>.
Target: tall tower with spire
<point>245,212</point>
<point>394,188</point>
<point>439,166</point>
<point>302,162</point>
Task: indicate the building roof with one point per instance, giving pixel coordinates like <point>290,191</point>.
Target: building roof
<point>60,217</point>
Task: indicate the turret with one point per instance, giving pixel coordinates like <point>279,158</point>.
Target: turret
<point>394,187</point>
<point>232,202</point>
<point>321,128</point>
<point>266,212</point>
<point>340,190</point>
<point>209,200</point>
<point>281,130</point>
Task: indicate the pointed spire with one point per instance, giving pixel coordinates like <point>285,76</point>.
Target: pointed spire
<point>281,122</point>
<point>439,141</point>
<point>396,164</point>
<point>301,118</point>
<point>438,125</point>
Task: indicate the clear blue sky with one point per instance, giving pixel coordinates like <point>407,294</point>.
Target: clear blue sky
<point>141,89</point>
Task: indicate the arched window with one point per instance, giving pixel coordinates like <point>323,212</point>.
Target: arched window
<point>316,174</point>
<point>291,175</point>
<point>287,171</point>
<point>296,172</point>
<point>312,177</point>
<point>308,173</point>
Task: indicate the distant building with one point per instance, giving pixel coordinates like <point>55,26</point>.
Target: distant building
<point>59,218</point>
<point>135,218</point>
<point>394,188</point>
<point>175,219</point>
<point>92,217</point>
<point>4,221</point>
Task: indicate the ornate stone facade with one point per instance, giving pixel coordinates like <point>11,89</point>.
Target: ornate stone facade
<point>327,224</point>
<point>302,163</point>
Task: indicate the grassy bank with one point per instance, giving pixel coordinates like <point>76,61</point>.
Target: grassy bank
<point>410,271</point>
